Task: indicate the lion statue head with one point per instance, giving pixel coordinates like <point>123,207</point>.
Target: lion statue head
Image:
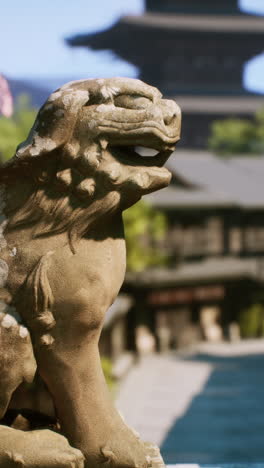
<point>82,150</point>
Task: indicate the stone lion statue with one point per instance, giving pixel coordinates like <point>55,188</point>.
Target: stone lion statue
<point>63,261</point>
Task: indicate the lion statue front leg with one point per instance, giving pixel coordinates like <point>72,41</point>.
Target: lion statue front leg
<point>75,380</point>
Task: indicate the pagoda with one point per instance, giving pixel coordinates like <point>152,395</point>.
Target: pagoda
<point>193,51</point>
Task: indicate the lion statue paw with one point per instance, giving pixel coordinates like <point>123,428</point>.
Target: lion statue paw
<point>37,449</point>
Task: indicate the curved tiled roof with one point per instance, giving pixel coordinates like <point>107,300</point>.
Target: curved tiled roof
<point>213,181</point>
<point>217,23</point>
<point>233,24</point>
<point>208,271</point>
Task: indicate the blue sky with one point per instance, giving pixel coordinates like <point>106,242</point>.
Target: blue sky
<point>32,33</point>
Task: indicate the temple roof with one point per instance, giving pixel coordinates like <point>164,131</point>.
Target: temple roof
<point>221,23</point>
<point>206,271</point>
<point>194,6</point>
<point>113,37</point>
<point>207,181</point>
<point>233,105</point>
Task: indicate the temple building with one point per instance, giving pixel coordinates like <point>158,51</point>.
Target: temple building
<point>193,51</point>
<point>215,243</point>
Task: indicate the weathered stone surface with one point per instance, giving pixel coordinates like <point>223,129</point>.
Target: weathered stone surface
<point>63,263</point>
<point>37,449</point>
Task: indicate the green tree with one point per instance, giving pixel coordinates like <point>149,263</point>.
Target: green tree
<point>251,321</point>
<point>238,136</point>
<point>107,370</point>
<point>145,227</point>
<point>14,130</point>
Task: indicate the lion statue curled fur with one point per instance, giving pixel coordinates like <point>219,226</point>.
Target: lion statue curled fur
<point>62,264</point>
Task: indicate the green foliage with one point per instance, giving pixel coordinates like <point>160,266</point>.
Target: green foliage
<point>238,136</point>
<point>107,370</point>
<point>14,130</point>
<point>251,321</point>
<point>144,228</point>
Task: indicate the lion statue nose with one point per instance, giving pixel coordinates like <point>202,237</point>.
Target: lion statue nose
<point>168,119</point>
<point>171,112</point>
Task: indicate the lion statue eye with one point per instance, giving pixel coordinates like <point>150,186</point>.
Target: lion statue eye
<point>133,101</point>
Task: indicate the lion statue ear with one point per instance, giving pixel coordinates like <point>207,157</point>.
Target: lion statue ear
<point>54,123</point>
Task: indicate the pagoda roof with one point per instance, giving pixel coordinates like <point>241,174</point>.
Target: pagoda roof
<point>217,23</point>
<point>233,105</point>
<point>202,180</point>
<point>177,23</point>
<point>205,271</point>
<point>194,6</point>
